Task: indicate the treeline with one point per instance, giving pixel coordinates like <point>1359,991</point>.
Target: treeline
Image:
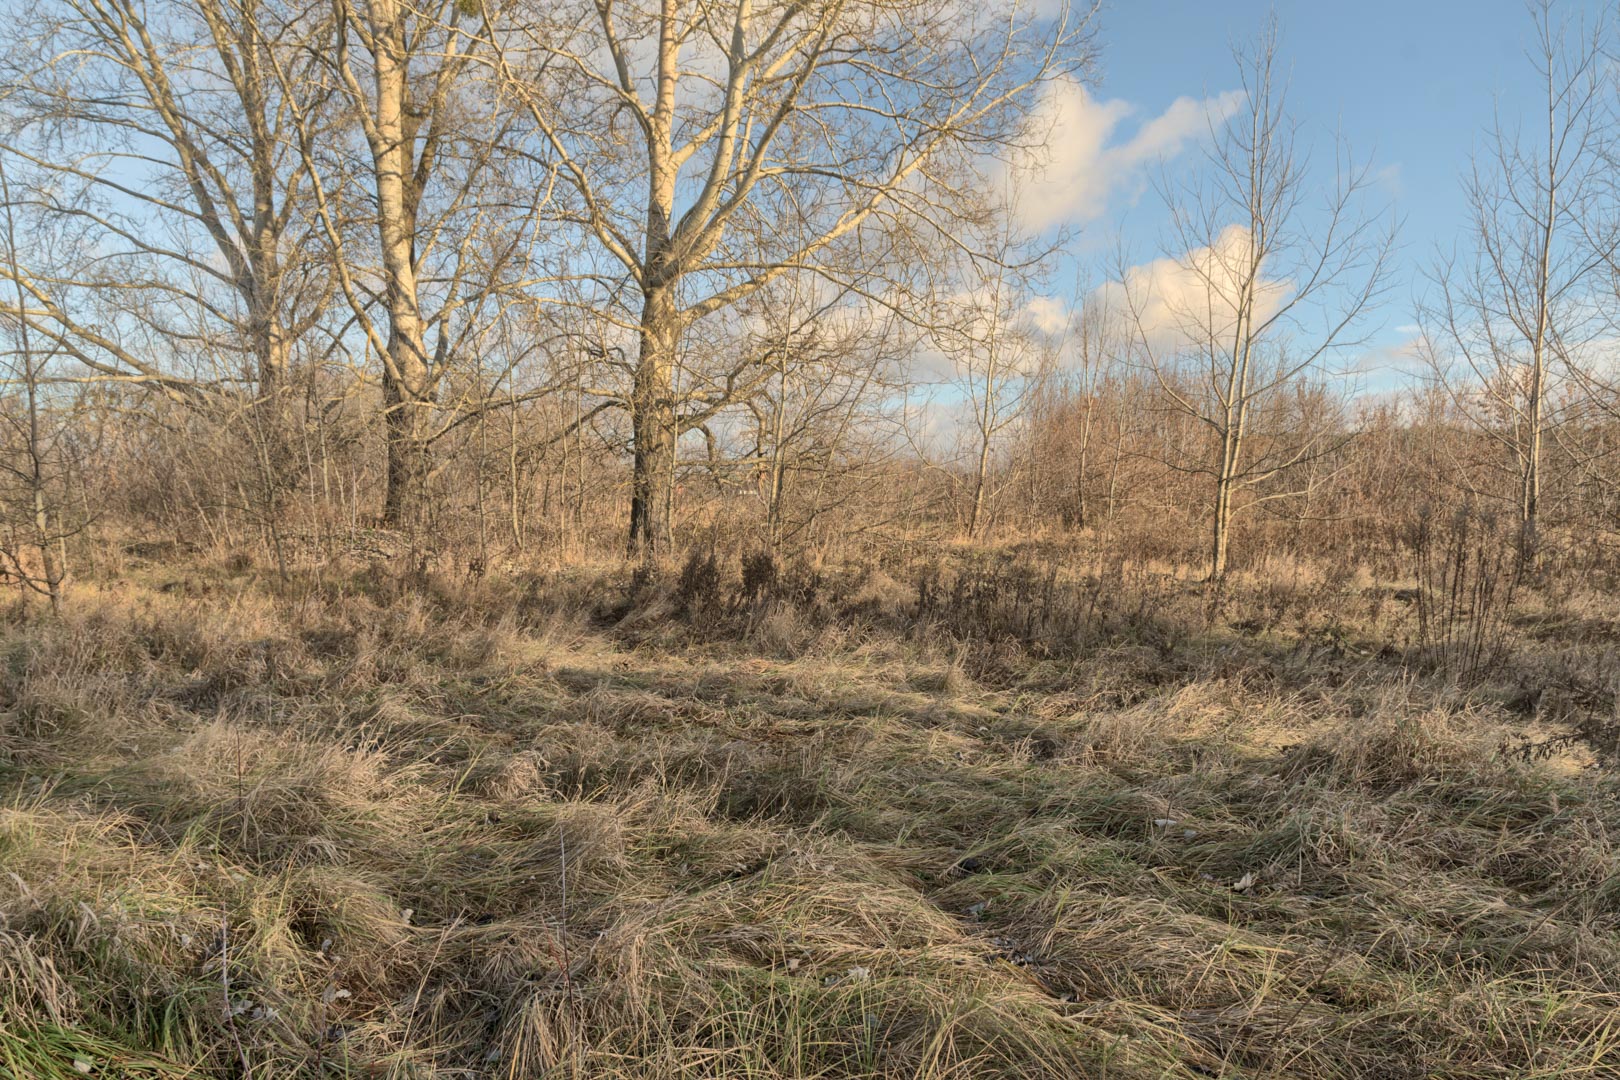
<point>524,278</point>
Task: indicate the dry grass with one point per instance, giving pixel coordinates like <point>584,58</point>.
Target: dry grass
<point>882,824</point>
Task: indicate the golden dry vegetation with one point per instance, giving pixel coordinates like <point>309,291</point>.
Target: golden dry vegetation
<point>980,816</point>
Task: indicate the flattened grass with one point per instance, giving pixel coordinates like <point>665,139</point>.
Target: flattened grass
<point>364,833</point>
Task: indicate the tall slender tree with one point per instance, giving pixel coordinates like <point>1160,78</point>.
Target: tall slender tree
<point>707,147</point>
<point>159,130</point>
<point>1515,311</point>
<point>1257,291</point>
<point>426,211</point>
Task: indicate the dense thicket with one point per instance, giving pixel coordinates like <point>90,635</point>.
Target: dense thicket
<point>483,283</point>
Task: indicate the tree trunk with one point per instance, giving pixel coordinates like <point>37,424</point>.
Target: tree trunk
<point>273,361</point>
<point>652,409</point>
<point>1530,496</point>
<point>652,404</point>
<point>1225,480</point>
<point>1222,529</point>
<point>1530,508</point>
<point>407,377</point>
<point>514,490</point>
<point>976,511</point>
<point>276,433</point>
<point>404,419</point>
<point>1114,464</point>
<point>1081,471</point>
<point>49,566</point>
<point>778,463</point>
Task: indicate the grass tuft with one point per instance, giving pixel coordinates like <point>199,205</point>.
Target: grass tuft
<point>924,831</point>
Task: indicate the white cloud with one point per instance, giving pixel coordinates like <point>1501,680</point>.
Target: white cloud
<point>1083,162</point>
<point>978,324</point>
<point>1391,180</point>
<point>1048,315</point>
<point>1193,298</point>
<point>1399,360</point>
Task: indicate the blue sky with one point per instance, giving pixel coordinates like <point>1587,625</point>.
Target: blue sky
<point>1413,84</point>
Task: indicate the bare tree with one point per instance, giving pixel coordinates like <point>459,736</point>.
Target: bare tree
<point>983,328</point>
<point>428,214</point>
<point>1091,351</point>
<point>159,131</point>
<point>709,146</point>
<point>816,422</point>
<point>1256,292</point>
<point>404,117</point>
<point>46,536</point>
<point>1514,314</point>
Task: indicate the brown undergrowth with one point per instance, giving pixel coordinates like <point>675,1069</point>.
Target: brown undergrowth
<point>967,820</point>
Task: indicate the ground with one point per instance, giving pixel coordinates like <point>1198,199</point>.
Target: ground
<point>921,823</point>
